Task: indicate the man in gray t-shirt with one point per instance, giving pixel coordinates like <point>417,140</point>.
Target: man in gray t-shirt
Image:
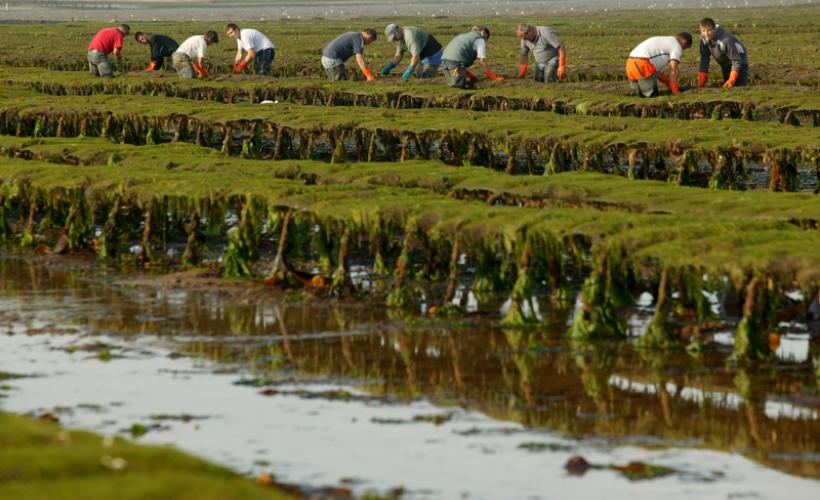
<point>344,47</point>
<point>549,53</point>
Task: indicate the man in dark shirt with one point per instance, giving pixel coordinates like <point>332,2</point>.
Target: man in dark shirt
<point>161,47</point>
<point>343,48</point>
<point>728,51</point>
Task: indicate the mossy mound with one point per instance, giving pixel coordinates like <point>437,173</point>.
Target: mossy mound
<point>38,459</point>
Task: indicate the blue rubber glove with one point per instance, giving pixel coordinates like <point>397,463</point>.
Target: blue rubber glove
<point>409,72</point>
<point>388,68</point>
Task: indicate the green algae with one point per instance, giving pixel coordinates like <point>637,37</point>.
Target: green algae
<point>784,104</point>
<point>38,459</point>
<point>617,230</point>
<point>579,140</point>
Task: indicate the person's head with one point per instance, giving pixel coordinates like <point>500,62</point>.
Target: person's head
<point>141,37</point>
<point>684,39</point>
<point>232,30</point>
<point>526,31</point>
<point>369,36</point>
<point>483,31</point>
<point>125,29</point>
<point>708,28</point>
<point>211,37</point>
<point>394,33</point>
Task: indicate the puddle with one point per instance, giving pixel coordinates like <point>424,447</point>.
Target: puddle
<point>323,395</point>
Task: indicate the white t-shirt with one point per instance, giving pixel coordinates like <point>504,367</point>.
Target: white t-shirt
<point>194,47</point>
<point>253,39</point>
<point>480,46</point>
<point>659,50</point>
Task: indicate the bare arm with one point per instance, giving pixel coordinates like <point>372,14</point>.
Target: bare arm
<point>361,62</point>
<point>415,60</point>
<point>250,56</point>
<point>524,59</point>
<point>673,72</point>
<point>117,53</point>
<point>397,57</point>
<point>238,54</point>
<point>483,64</point>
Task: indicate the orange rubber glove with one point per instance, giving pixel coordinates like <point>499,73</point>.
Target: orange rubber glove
<point>523,72</point>
<point>151,67</point>
<point>702,78</point>
<point>674,87</point>
<point>493,76</point>
<point>663,79</point>
<point>733,75</point>
<point>240,67</point>
<point>471,76</point>
<point>200,70</point>
<point>368,73</point>
<point>562,67</point>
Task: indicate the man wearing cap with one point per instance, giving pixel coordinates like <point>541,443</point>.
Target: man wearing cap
<point>461,53</point>
<point>161,47</point>
<point>344,47</point>
<point>106,41</point>
<point>550,54</point>
<point>727,50</point>
<point>251,45</point>
<point>424,49</point>
<point>648,60</point>
<point>189,58</point>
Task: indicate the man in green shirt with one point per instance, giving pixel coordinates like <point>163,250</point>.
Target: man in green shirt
<point>425,51</point>
<point>461,53</point>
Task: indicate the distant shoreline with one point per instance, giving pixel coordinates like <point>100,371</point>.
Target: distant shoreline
<point>257,10</point>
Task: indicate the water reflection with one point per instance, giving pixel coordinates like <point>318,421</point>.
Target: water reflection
<point>613,392</point>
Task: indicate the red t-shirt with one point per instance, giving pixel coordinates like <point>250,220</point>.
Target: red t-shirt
<point>106,40</point>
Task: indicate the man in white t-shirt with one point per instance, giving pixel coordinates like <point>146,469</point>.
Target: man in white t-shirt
<point>189,59</point>
<point>648,60</point>
<point>251,45</point>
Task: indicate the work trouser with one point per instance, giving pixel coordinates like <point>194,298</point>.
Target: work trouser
<point>456,74</point>
<point>183,66</point>
<point>99,64</point>
<point>428,67</point>
<point>546,72</point>
<point>335,69</point>
<point>743,74</point>
<point>643,77</point>
<point>263,61</point>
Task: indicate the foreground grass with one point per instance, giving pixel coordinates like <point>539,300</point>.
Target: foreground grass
<point>39,460</point>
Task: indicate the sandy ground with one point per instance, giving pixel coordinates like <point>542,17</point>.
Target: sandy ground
<point>150,10</point>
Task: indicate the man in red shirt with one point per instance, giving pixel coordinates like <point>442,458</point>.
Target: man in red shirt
<point>106,42</point>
